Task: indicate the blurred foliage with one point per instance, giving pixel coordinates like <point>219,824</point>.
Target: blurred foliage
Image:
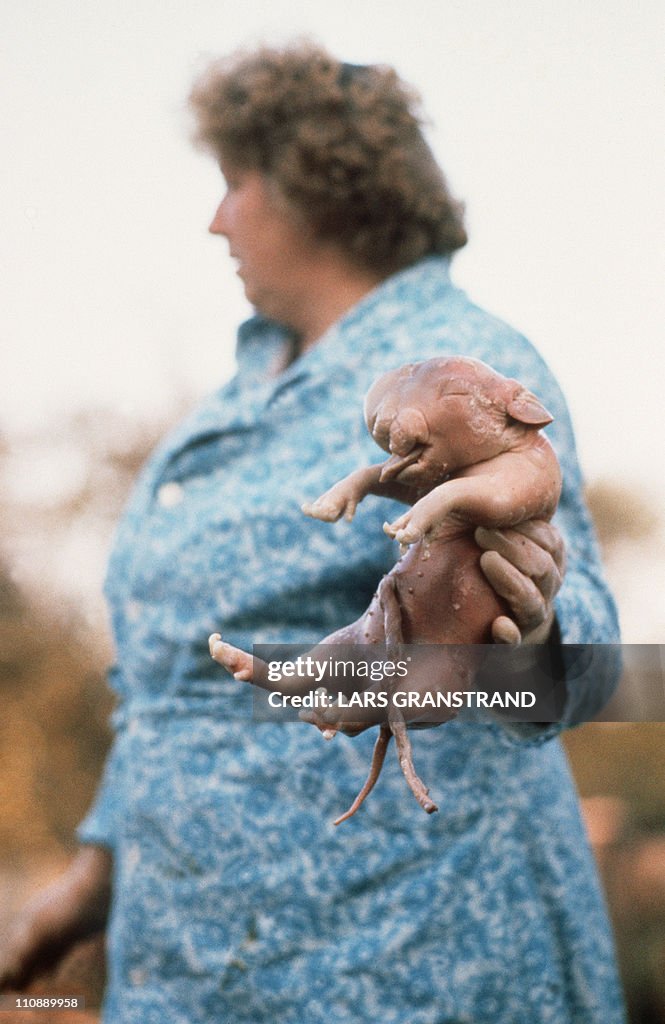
<point>619,772</point>
<point>53,732</point>
<point>620,513</point>
<point>68,483</point>
<point>60,495</point>
<point>625,761</point>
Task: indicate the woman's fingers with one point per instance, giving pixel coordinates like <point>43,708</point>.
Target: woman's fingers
<point>546,536</point>
<point>505,631</point>
<point>523,565</point>
<point>33,947</point>
<point>533,549</point>
<point>14,966</point>
<point>526,602</point>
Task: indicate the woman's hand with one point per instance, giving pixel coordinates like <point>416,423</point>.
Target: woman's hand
<point>70,909</point>
<point>525,566</point>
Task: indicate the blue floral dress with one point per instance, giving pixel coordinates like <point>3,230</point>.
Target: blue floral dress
<point>236,900</point>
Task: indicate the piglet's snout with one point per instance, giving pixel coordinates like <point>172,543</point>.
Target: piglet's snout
<point>409,434</point>
<point>393,466</point>
<point>408,429</point>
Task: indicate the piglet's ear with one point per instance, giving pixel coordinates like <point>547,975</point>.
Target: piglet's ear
<point>525,408</point>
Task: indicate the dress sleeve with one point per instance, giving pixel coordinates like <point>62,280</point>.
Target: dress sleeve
<point>586,614</point>
<point>583,658</point>
<point>100,825</point>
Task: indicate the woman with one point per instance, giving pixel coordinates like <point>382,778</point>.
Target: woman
<point>234,898</point>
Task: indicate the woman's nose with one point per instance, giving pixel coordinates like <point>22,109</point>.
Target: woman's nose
<point>218,225</point>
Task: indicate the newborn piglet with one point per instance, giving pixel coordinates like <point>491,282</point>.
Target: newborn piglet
<point>464,451</point>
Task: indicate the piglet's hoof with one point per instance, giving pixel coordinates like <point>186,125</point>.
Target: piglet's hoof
<point>403,532</point>
<point>239,663</point>
<point>313,718</point>
<point>329,509</point>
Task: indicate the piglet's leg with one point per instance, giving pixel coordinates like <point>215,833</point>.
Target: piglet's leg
<point>250,669</point>
<point>378,757</point>
<point>405,755</point>
<point>394,637</point>
<point>470,500</point>
<point>392,617</point>
<point>392,627</point>
<point>343,498</point>
<point>239,663</point>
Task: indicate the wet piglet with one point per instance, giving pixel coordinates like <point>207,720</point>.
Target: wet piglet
<point>465,450</point>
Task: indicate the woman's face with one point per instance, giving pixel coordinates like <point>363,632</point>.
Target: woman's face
<point>273,249</point>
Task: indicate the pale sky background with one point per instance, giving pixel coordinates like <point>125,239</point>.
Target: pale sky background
<point>547,117</point>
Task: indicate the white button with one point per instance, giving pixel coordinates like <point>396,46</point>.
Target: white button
<point>170,494</point>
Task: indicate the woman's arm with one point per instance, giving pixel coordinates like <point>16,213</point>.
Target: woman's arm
<point>72,908</point>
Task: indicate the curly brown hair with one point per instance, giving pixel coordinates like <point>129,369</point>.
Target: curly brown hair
<point>342,142</point>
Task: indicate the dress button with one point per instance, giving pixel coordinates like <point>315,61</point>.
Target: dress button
<point>170,494</point>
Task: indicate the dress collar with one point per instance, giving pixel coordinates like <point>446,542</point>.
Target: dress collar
<point>350,345</point>
<point>262,343</point>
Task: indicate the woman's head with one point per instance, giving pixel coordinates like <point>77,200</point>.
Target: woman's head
<point>343,145</point>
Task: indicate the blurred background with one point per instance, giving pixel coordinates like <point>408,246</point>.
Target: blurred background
<point>119,312</point>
